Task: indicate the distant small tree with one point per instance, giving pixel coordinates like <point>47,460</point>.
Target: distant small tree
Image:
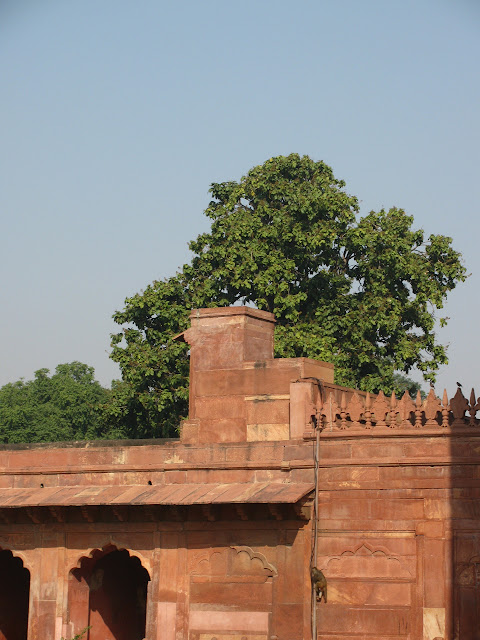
<point>402,383</point>
<point>64,406</point>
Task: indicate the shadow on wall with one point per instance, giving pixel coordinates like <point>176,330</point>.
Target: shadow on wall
<point>14,597</point>
<point>408,564</point>
<point>109,594</point>
<point>463,535</point>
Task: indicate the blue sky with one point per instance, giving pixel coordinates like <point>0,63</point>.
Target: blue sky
<point>117,115</point>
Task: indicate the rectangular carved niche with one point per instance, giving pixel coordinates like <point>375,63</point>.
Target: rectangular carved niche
<point>230,594</point>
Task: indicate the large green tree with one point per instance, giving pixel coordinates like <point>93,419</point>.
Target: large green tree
<point>62,406</point>
<point>361,292</point>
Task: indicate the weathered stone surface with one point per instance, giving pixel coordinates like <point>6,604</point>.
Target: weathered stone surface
<point>229,558</point>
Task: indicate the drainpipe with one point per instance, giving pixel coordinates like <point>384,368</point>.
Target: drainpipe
<point>317,422</point>
<point>313,562</point>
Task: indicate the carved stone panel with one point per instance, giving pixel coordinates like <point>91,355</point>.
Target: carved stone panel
<point>230,593</point>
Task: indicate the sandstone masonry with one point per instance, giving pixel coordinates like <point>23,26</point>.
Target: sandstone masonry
<point>211,536</point>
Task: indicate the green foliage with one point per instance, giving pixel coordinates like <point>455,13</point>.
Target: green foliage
<point>359,292</point>
<point>64,406</point>
<point>153,396</point>
<point>80,635</point>
<point>402,383</point>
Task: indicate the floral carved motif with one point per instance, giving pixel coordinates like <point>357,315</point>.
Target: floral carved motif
<point>458,406</point>
<point>355,409</point>
<point>406,409</point>
<point>380,409</point>
<point>473,408</point>
<point>330,410</point>
<point>432,407</point>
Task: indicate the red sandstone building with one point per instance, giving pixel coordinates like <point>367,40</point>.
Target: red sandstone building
<point>212,536</point>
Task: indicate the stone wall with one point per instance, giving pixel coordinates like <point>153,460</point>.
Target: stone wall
<point>215,530</point>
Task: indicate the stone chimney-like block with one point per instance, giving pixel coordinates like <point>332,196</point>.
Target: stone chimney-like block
<point>225,337</point>
<point>238,391</point>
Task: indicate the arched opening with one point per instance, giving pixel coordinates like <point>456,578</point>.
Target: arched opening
<point>108,593</point>
<point>14,597</point>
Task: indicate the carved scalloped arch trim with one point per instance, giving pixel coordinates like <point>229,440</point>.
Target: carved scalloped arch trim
<point>18,554</point>
<point>465,571</point>
<point>206,556</point>
<point>114,545</point>
<point>256,555</point>
<point>365,550</point>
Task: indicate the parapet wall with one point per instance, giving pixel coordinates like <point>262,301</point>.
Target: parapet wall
<point>240,393</point>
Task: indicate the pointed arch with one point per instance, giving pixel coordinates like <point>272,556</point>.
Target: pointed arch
<point>113,544</point>
<point>6,545</point>
<point>14,596</point>
<point>108,592</point>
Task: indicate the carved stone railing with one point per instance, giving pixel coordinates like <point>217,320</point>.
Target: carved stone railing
<point>382,413</point>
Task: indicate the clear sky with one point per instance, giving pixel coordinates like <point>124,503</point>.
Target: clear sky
<point>117,115</point>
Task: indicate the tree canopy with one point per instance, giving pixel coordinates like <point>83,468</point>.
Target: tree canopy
<point>361,292</point>
<point>63,406</point>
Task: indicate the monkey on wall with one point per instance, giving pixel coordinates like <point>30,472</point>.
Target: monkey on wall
<point>319,583</point>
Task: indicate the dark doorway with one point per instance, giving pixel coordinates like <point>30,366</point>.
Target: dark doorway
<point>14,596</point>
<point>117,598</point>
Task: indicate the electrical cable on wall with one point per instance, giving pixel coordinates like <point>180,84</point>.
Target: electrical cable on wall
<point>319,586</point>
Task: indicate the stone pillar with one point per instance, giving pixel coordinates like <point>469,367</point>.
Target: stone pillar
<point>221,341</point>
<point>165,592</point>
<point>304,401</point>
<point>434,579</point>
<point>47,602</point>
